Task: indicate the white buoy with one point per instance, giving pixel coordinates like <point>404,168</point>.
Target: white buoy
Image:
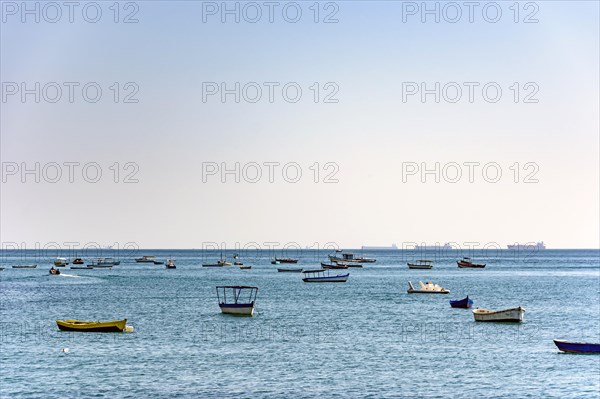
<point>65,350</point>
<point>129,328</point>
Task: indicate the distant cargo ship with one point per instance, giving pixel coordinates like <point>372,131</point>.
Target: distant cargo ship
<point>528,247</point>
<point>364,247</point>
<point>436,247</point>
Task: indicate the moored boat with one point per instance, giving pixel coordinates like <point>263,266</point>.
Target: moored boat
<point>333,266</point>
<point>577,347</point>
<point>170,264</point>
<point>241,299</point>
<point>514,315</point>
<point>238,263</point>
<point>92,326</point>
<point>286,260</point>
<point>82,267</point>
<point>323,276</point>
<point>24,266</point>
<point>464,303</point>
<point>158,262</point>
<point>146,259</point>
<point>61,262</point>
<point>242,267</point>
<point>220,263</point>
<point>466,263</point>
<point>275,262</point>
<point>349,257</point>
<point>77,261</point>
<point>289,270</point>
<point>104,262</point>
<point>421,264</point>
<point>426,288</point>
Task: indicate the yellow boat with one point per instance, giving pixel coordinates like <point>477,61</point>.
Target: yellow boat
<point>91,326</point>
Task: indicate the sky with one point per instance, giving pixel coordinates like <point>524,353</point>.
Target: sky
<point>348,153</point>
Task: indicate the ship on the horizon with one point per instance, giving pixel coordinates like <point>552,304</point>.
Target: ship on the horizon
<point>436,247</point>
<point>365,247</point>
<point>530,246</point>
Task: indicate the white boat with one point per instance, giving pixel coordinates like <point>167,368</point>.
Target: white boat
<point>239,302</point>
<point>514,315</point>
<point>349,257</point>
<point>426,288</point>
<point>420,264</point>
<point>323,276</point>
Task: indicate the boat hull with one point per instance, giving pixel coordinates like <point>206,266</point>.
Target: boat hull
<point>327,279</point>
<point>286,260</point>
<point>82,267</point>
<point>410,291</point>
<point>577,347</point>
<point>240,309</point>
<point>25,267</point>
<point>413,266</point>
<point>289,270</point>
<point>507,316</point>
<point>92,326</point>
<point>465,265</point>
<point>465,303</point>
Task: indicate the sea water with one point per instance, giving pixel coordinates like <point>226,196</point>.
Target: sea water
<point>363,338</point>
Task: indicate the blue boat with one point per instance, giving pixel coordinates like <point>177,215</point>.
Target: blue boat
<point>577,347</point>
<point>462,303</point>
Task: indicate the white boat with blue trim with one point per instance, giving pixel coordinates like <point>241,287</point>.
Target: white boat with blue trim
<point>323,276</point>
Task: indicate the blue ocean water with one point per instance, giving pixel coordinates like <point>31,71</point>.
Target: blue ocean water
<point>364,338</point>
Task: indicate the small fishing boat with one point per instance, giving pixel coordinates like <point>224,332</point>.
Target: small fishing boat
<point>241,299</point>
<point>238,264</point>
<point>220,263</point>
<point>145,259</point>
<point>466,263</point>
<point>104,262</point>
<point>242,267</point>
<point>24,266</point>
<point>92,326</point>
<point>54,271</point>
<point>426,288</point>
<point>288,270</point>
<point>158,262</point>
<point>77,261</point>
<point>275,262</point>
<point>464,303</point>
<point>81,267</point>
<point>421,264</point>
<point>323,276</point>
<point>576,347</point>
<point>333,266</point>
<point>236,256</point>
<point>170,264</point>
<point>286,260</point>
<point>349,257</point>
<point>349,264</point>
<point>514,315</point>
<point>61,262</point>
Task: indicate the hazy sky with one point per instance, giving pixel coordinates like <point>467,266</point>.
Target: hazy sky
<point>368,125</point>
